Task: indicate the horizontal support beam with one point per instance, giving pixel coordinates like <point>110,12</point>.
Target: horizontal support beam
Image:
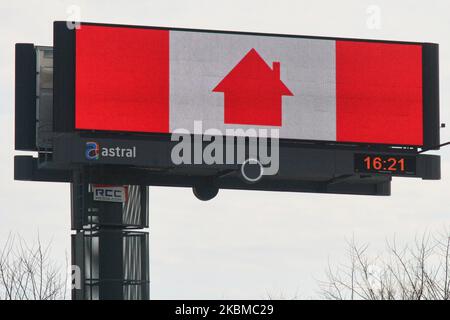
<point>26,169</point>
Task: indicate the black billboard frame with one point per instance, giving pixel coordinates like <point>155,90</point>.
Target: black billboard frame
<point>64,92</point>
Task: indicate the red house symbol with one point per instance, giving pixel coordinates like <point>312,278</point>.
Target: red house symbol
<point>252,92</point>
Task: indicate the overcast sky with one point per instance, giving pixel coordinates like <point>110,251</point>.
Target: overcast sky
<point>242,244</point>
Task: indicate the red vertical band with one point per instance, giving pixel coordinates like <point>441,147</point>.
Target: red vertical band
<point>122,79</point>
<point>379,93</point>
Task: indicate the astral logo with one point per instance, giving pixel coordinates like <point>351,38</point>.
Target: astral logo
<point>94,151</point>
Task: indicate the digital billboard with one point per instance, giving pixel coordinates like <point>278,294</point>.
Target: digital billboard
<point>158,80</point>
<point>351,113</point>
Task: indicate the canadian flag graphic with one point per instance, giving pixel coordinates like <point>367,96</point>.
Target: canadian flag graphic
<point>154,80</point>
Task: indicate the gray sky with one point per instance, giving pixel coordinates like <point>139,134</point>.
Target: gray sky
<point>242,244</point>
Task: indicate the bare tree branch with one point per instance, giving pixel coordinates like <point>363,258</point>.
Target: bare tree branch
<point>27,273</point>
<point>419,272</point>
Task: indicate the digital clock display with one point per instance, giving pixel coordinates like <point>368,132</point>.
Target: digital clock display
<point>385,163</point>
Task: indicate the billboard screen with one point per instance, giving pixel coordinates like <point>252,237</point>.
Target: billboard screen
<point>158,80</point>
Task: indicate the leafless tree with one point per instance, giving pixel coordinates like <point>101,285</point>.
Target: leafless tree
<point>417,272</point>
<point>28,273</point>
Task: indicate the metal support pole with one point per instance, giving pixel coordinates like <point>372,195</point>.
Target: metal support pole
<point>113,258</point>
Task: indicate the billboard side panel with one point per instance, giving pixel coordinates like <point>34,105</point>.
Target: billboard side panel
<point>430,55</point>
<point>25,97</point>
<point>63,78</point>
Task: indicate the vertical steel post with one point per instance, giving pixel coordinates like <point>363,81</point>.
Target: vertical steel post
<point>113,258</point>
